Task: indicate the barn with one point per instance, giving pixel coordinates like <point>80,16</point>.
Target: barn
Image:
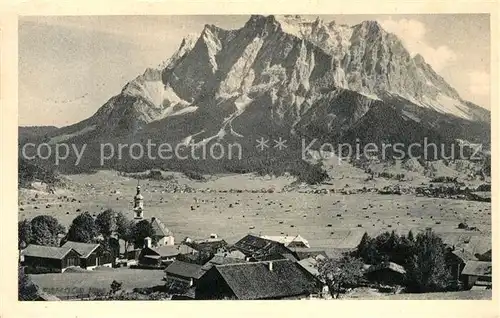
<point>92,254</point>
<point>49,259</point>
<point>386,273</point>
<point>281,279</point>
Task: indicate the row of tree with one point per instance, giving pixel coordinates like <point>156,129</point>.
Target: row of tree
<point>107,227</point>
<point>423,256</point>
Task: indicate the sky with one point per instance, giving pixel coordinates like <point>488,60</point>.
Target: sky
<point>70,66</point>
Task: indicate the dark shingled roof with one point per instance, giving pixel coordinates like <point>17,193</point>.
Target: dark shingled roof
<point>303,253</point>
<point>166,250</point>
<point>221,260</point>
<point>262,249</point>
<point>159,228</point>
<point>84,249</point>
<point>207,245</point>
<point>477,268</point>
<point>46,251</point>
<point>464,255</point>
<point>387,265</point>
<point>256,281</point>
<point>183,269</point>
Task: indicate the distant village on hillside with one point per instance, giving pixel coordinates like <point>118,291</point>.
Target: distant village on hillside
<point>123,253</point>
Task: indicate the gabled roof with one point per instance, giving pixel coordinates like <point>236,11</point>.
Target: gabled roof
<point>183,269</point>
<point>311,264</point>
<point>260,248</point>
<point>287,239</point>
<point>46,251</point>
<point>84,249</point>
<point>303,253</point>
<point>207,245</point>
<point>256,281</point>
<point>221,260</point>
<point>159,228</point>
<point>387,265</point>
<point>232,253</point>
<point>477,268</point>
<point>463,255</point>
<point>166,250</point>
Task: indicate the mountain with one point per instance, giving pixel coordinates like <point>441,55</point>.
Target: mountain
<point>290,77</point>
<point>28,132</point>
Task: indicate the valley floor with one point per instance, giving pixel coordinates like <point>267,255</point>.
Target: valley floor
<point>325,220</point>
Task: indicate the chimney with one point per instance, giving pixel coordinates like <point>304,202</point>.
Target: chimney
<point>270,265</point>
<point>147,242</point>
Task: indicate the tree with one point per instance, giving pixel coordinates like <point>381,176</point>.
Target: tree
<point>44,230</point>
<point>24,233</point>
<point>427,270</point>
<point>83,229</point>
<point>125,229</point>
<point>341,274</point>
<point>26,289</point>
<point>410,237</point>
<point>142,230</point>
<point>367,250</point>
<point>106,222</point>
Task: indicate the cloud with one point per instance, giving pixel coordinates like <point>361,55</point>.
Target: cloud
<point>412,33</point>
<point>479,83</point>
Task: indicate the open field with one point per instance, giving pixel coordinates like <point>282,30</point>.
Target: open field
<point>326,220</point>
<point>67,284</point>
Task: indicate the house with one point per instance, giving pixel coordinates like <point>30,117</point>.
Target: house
<point>91,254</point>
<point>456,260</point>
<point>257,248</point>
<point>158,256</point>
<point>290,241</point>
<point>386,273</point>
<point>183,272</point>
<point>303,253</point>
<point>186,249</point>
<point>477,273</point>
<point>282,279</point>
<point>49,259</point>
<point>133,254</point>
<point>162,235</point>
<point>311,264</point>
<point>209,246</point>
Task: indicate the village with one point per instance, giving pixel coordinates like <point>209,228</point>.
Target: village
<point>110,257</point>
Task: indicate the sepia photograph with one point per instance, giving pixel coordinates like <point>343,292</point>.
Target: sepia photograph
<point>254,157</point>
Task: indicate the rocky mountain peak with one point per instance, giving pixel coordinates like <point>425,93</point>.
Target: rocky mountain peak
<point>263,25</point>
<point>419,59</point>
<point>289,63</point>
<point>290,75</point>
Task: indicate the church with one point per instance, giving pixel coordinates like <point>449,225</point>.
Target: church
<point>162,235</point>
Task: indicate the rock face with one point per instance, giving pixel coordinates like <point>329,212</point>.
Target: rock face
<point>290,75</point>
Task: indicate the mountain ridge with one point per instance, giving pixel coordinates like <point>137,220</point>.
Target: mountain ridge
<point>287,75</point>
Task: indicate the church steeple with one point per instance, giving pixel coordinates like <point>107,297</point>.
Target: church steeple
<point>138,204</point>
